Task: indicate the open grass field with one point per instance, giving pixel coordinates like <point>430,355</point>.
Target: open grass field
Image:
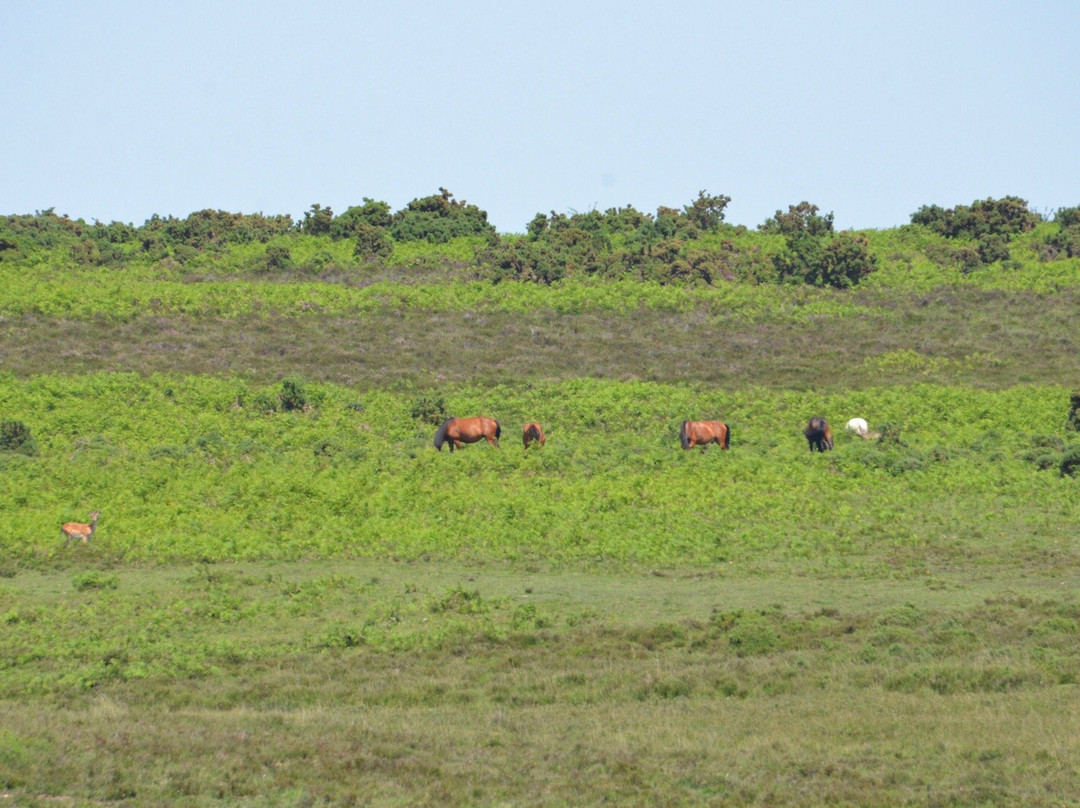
<point>293,599</point>
<point>423,683</point>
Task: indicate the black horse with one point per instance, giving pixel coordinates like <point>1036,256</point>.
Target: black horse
<point>818,434</point>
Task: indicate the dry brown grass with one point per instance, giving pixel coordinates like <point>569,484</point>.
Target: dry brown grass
<point>985,338</point>
<point>877,749</point>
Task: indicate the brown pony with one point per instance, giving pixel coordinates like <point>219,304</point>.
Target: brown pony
<point>818,434</point>
<point>458,431</point>
<point>702,433</point>
<point>532,433</point>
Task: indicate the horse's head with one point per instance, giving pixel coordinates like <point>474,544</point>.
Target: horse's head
<point>440,435</point>
<point>684,439</point>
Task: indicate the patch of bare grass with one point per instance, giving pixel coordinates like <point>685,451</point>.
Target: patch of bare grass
<point>956,336</point>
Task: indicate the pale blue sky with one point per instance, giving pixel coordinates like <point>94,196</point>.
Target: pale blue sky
<point>119,110</point>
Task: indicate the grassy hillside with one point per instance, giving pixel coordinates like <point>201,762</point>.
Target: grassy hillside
<point>193,467</point>
<point>294,599</point>
<point>430,314</point>
<point>793,339</point>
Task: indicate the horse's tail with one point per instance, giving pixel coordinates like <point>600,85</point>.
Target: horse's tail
<point>440,436</point>
<point>498,430</point>
<point>683,438</point>
<point>727,436</point>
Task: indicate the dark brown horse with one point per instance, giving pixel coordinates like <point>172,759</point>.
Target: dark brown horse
<point>532,433</point>
<point>702,433</point>
<point>818,434</point>
<point>459,431</point>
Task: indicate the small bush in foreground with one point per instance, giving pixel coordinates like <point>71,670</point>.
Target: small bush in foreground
<point>1073,421</point>
<point>430,410</point>
<point>94,579</point>
<point>1070,462</point>
<point>293,394</point>
<point>15,436</point>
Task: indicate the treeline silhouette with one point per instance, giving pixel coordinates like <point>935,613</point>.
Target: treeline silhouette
<point>690,244</point>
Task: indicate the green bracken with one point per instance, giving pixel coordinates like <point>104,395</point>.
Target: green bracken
<point>292,599</point>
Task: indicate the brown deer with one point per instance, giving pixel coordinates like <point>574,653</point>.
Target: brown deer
<point>79,530</point>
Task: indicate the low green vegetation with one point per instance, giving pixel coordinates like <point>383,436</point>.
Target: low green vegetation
<point>292,599</point>
<point>370,682</point>
<point>198,468</point>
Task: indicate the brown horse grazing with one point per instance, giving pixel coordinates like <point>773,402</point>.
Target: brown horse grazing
<point>458,431</point>
<point>702,433</point>
<point>818,434</point>
<point>532,433</point>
